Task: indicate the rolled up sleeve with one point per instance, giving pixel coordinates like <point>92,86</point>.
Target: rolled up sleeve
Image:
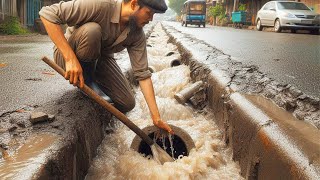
<point>76,12</point>
<point>138,58</point>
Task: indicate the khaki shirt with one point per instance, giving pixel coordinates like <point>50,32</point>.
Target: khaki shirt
<point>107,14</point>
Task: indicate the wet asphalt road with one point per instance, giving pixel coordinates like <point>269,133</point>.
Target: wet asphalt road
<point>25,79</point>
<point>286,57</point>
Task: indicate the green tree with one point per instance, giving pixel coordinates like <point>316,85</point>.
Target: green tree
<point>217,11</point>
<point>176,5</point>
<point>242,7</point>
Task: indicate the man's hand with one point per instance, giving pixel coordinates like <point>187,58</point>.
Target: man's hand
<point>73,67</point>
<point>163,125</point>
<point>74,73</point>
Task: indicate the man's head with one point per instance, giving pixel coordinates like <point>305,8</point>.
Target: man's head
<point>140,12</point>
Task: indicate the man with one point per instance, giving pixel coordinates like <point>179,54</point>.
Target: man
<point>97,29</point>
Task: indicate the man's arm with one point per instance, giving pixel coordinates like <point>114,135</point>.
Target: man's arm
<point>73,67</point>
<point>148,92</point>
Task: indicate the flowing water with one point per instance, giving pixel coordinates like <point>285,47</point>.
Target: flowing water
<point>210,159</point>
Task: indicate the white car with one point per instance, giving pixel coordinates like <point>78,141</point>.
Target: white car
<point>287,15</point>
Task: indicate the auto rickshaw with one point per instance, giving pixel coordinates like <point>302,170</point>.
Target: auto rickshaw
<point>194,12</point>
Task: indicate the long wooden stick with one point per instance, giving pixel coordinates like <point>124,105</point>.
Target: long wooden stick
<point>105,104</point>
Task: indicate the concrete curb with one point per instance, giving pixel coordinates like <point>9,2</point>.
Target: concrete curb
<point>268,142</point>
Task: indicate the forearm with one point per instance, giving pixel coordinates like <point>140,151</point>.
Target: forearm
<point>56,34</point>
<point>73,67</point>
<point>148,92</point>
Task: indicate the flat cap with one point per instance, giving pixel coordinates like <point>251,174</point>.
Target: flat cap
<point>157,6</point>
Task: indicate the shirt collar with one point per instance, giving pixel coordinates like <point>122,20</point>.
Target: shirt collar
<point>116,15</point>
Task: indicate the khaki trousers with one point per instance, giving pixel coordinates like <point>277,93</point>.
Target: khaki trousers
<point>86,43</point>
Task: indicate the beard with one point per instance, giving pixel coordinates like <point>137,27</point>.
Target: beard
<point>133,24</point>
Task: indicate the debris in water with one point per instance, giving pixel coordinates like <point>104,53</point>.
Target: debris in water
<point>171,145</point>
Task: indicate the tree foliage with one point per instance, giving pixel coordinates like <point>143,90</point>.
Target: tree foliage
<point>176,5</point>
<point>218,10</point>
<point>242,7</point>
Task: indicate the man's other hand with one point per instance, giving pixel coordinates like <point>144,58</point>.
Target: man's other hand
<point>163,125</point>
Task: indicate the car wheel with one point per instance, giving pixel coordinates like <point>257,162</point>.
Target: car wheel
<point>204,25</point>
<point>198,25</point>
<point>259,26</point>
<point>277,26</point>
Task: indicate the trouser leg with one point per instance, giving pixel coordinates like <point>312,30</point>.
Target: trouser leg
<point>85,42</point>
<point>113,82</point>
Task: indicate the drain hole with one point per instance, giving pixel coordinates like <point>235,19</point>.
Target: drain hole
<point>175,62</point>
<point>179,146</point>
<point>182,142</point>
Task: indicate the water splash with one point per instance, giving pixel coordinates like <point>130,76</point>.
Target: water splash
<point>171,145</point>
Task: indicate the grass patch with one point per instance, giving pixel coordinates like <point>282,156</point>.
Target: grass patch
<point>12,26</point>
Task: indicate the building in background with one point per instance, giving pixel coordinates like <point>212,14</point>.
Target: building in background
<point>26,10</point>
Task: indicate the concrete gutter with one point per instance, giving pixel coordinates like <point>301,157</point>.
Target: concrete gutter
<point>267,141</point>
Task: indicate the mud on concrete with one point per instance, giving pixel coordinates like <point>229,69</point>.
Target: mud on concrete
<point>203,59</point>
<point>79,124</point>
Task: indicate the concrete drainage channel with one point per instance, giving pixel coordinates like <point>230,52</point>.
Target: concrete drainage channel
<point>267,141</point>
<point>235,136</point>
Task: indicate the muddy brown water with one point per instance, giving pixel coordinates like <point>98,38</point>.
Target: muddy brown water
<point>27,158</point>
<point>210,159</point>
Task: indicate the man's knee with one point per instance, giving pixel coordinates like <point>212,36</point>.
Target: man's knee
<point>127,105</point>
<point>89,42</point>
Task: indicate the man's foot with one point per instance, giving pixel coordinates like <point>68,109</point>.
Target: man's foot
<point>88,71</point>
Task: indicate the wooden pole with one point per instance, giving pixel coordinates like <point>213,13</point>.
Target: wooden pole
<point>123,118</point>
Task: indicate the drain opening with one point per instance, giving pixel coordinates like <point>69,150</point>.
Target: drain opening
<point>179,146</point>
<point>182,142</point>
<point>175,62</point>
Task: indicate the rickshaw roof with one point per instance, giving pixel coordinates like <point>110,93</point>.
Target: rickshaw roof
<point>203,1</point>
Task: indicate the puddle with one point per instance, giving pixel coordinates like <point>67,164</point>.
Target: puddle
<point>210,159</point>
<point>28,158</point>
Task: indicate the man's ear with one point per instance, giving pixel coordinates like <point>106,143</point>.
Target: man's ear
<point>134,4</point>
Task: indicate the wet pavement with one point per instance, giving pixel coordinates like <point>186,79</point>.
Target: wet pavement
<point>25,79</point>
<point>286,57</point>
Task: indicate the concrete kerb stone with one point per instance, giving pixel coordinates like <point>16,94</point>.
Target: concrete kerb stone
<point>261,144</point>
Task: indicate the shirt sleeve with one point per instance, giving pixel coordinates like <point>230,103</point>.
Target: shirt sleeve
<point>75,12</point>
<point>138,58</point>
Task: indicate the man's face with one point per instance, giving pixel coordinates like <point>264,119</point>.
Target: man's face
<point>141,17</point>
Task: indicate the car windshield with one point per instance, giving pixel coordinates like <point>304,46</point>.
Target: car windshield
<point>292,5</point>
